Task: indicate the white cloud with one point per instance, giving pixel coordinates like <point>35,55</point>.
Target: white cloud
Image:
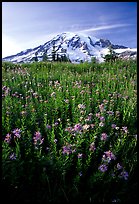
<point>104,27</point>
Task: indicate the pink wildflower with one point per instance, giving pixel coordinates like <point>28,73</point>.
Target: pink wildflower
<point>37,138</point>
<point>104,136</point>
<point>8,138</point>
<point>78,127</point>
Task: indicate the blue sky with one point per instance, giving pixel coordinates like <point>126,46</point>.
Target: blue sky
<point>30,24</point>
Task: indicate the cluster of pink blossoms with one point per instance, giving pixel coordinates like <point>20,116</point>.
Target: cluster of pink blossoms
<point>38,140</point>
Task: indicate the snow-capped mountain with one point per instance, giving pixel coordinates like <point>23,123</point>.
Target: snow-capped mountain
<point>77,47</point>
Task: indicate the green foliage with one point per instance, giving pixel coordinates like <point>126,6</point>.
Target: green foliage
<point>64,58</point>
<point>45,57</point>
<point>53,54</point>
<point>58,122</point>
<point>93,60</point>
<point>112,56</point>
<point>35,59</point>
<point>59,58</point>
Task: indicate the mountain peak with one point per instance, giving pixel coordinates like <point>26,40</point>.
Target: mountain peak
<point>77,46</point>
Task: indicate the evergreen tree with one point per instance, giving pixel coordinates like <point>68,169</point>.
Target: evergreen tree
<point>54,53</point>
<point>45,57</point>
<point>93,60</point>
<point>112,56</point>
<point>36,58</point>
<point>58,59</point>
<point>64,58</point>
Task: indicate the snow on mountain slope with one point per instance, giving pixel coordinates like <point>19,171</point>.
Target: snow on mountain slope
<point>75,46</point>
<point>126,49</point>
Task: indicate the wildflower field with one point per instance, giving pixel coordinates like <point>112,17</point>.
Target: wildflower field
<point>69,132</point>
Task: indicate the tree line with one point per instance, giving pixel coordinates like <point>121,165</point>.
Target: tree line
<point>111,57</point>
<point>55,56</point>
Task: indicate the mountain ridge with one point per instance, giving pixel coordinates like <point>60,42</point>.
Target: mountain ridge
<point>76,46</point>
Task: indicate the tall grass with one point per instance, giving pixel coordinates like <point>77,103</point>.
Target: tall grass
<point>69,132</point>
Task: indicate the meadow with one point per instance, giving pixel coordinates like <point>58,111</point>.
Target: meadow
<point>69,132</point>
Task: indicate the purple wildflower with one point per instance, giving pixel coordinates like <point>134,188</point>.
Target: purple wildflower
<point>104,136</point>
<point>68,129</point>
<point>37,138</point>
<point>126,97</point>
<point>108,156</point>
<point>101,107</point>
<point>16,133</point>
<point>124,174</point>
<point>80,155</point>
<point>92,147</point>
<point>110,112</point>
<point>78,127</point>
<point>56,83</point>
<point>81,106</point>
<point>125,129</point>
<point>92,125</point>
<point>119,166</point>
<point>98,115</point>
<point>67,149</point>
<point>89,117</point>
<point>113,126</point>
<point>13,156</point>
<point>48,127</point>
<point>8,138</point>
<point>101,124</point>
<point>81,92</point>
<point>4,88</point>
<point>103,168</point>
<point>56,123</point>
<point>6,91</point>
<point>102,118</point>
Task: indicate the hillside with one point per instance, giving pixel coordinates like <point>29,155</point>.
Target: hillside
<point>75,46</point>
